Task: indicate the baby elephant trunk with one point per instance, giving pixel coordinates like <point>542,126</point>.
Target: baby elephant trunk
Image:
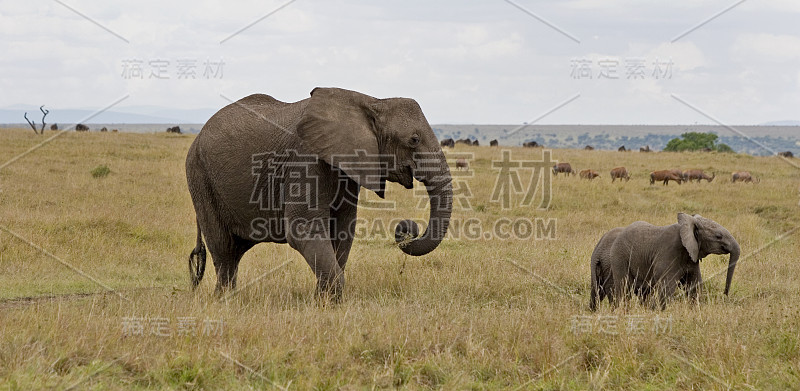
<point>734,251</point>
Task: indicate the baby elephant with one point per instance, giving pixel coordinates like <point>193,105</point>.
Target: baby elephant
<point>653,261</point>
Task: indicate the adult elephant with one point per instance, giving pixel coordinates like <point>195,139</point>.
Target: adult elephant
<point>262,170</point>
<point>646,259</point>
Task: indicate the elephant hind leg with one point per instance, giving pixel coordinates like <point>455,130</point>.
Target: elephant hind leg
<point>226,250</point>
<point>601,286</point>
<point>226,256</point>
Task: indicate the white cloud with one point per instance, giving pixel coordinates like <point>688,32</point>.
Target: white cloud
<point>686,56</point>
<point>467,61</point>
<point>769,47</point>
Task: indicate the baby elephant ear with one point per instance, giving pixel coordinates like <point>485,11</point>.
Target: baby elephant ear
<point>688,238</point>
<point>339,126</point>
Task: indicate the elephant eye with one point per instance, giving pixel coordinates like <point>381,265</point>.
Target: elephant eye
<point>414,142</point>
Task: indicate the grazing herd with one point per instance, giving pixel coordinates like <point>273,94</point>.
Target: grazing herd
<point>450,143</point>
<point>84,128</point>
<point>621,173</point>
<point>663,176</point>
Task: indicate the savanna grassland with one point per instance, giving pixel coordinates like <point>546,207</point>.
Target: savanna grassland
<point>476,313</point>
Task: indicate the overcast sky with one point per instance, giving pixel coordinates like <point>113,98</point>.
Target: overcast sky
<point>489,61</point>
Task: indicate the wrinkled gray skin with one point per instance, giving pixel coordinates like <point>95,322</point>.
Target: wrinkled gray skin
<point>653,261</point>
<point>229,191</point>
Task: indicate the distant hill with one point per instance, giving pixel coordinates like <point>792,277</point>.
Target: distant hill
<point>777,138</point>
<point>129,115</point>
<point>122,127</point>
<point>782,123</point>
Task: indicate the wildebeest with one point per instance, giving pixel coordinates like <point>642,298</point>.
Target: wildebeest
<point>114,130</point>
<point>81,128</point>
<point>174,129</point>
<point>621,149</point>
<point>589,148</point>
<point>54,127</point>
<point>462,163</point>
<point>666,176</point>
<point>566,168</point>
<point>104,129</point>
<point>493,143</point>
<point>530,144</point>
<point>475,143</point>
<point>620,173</point>
<point>588,174</point>
<point>448,142</point>
<point>786,154</point>
<point>645,148</point>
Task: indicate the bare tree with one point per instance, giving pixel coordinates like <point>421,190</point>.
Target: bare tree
<point>33,123</point>
<point>44,114</point>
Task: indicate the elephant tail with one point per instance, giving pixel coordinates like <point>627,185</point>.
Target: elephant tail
<point>197,260</point>
<point>594,293</point>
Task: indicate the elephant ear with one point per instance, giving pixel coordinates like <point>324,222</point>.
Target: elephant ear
<point>688,237</point>
<point>339,127</point>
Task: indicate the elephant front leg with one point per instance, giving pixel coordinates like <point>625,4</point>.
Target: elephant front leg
<point>693,283</point>
<point>664,290</point>
<point>343,223</point>
<point>312,240</point>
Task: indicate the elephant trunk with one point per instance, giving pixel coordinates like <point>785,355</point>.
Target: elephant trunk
<point>734,251</point>
<point>440,193</point>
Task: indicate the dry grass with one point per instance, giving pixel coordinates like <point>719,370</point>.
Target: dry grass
<point>462,317</point>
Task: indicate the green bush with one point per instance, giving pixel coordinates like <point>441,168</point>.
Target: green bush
<point>101,171</point>
<point>695,141</point>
